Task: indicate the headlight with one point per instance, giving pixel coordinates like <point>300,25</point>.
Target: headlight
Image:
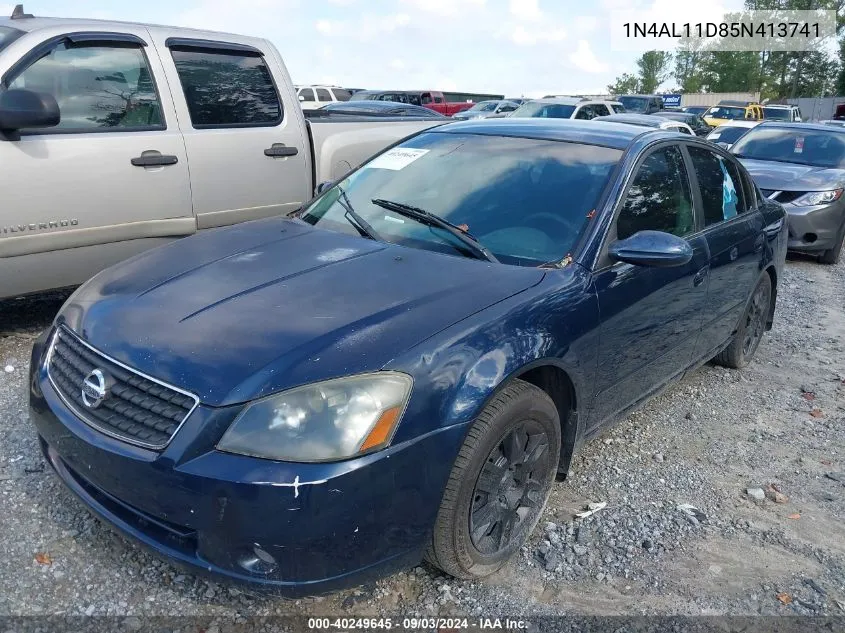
<point>814,198</point>
<point>325,421</point>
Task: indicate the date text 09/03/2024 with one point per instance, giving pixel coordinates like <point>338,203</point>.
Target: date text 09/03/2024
<point>722,29</point>
<point>416,624</point>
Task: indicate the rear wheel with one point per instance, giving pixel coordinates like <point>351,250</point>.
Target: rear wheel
<point>499,483</point>
<point>831,255</point>
<point>751,328</point>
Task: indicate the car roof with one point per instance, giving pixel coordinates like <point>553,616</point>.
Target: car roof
<point>779,105</point>
<point>638,95</point>
<point>38,22</point>
<point>559,100</point>
<point>613,135</point>
<point>643,120</point>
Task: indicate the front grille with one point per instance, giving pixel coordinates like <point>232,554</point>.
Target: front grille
<point>136,409</point>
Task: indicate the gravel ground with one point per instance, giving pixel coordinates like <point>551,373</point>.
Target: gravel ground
<point>715,441</point>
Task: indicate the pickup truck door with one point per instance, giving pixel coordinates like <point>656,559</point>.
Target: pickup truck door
<point>243,127</point>
<point>111,176</point>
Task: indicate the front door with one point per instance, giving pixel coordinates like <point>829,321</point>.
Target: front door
<point>650,316</point>
<point>245,138</point>
<point>114,170</point>
<point>734,232</point>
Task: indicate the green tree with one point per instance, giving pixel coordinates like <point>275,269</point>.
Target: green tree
<point>654,69</point>
<point>625,84</point>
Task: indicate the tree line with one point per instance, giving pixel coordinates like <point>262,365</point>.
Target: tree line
<point>774,74</point>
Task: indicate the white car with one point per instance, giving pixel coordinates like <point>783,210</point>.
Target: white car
<point>565,108</point>
<point>776,112</point>
<point>313,97</point>
<point>729,133</point>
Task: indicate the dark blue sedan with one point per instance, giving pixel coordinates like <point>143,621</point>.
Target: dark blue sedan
<point>401,370</point>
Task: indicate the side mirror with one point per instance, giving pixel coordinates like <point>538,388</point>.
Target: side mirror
<point>323,186</point>
<point>652,248</point>
<point>27,109</point>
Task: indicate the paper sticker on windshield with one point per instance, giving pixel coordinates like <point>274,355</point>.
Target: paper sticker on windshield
<point>397,158</point>
<point>799,144</point>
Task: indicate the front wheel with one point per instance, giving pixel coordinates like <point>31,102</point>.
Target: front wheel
<point>499,483</point>
<point>751,328</point>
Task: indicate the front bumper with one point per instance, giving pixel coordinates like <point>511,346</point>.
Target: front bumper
<point>813,229</point>
<point>324,526</point>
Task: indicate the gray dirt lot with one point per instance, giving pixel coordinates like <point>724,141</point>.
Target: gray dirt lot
<point>704,442</point>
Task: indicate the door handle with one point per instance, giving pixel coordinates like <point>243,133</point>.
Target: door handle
<point>154,159</point>
<point>700,276</point>
<point>280,149</point>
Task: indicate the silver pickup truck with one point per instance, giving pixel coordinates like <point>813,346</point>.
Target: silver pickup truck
<point>118,137</point>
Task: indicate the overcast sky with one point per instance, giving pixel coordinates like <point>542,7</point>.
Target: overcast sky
<point>516,47</point>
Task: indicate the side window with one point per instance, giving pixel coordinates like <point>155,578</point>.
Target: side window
<point>98,87</point>
<point>438,99</point>
<point>323,94</point>
<point>425,99</point>
<point>683,130</point>
<point>585,112</point>
<point>307,94</point>
<point>659,198</point>
<point>720,186</point>
<point>341,94</point>
<point>599,109</point>
<point>227,88</point>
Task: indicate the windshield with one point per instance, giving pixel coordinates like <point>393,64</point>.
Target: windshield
<point>538,109</point>
<point>525,200</point>
<point>484,106</point>
<point>726,112</point>
<point>802,146</point>
<point>727,134</point>
<point>778,114</point>
<point>634,104</point>
<point>8,35</point>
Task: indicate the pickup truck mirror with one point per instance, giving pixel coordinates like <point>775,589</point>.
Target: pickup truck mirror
<point>27,109</point>
<point>652,248</point>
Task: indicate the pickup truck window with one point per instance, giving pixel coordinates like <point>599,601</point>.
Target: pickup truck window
<point>307,94</point>
<point>227,89</point>
<point>99,87</point>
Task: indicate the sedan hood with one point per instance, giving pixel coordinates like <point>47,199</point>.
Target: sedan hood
<point>792,176</point>
<point>237,313</point>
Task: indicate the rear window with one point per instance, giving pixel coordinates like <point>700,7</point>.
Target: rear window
<point>227,89</point>
<point>8,35</point>
<point>726,112</point>
<point>727,134</point>
<point>340,94</point>
<point>634,104</point>
<point>537,109</point>
<point>507,191</point>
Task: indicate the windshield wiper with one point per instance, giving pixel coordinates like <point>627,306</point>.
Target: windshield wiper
<point>429,218</point>
<point>355,219</point>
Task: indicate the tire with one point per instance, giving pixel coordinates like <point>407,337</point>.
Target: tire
<point>831,255</point>
<point>467,541</point>
<point>751,327</point>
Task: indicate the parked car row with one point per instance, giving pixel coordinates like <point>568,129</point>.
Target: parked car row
<point>399,366</point>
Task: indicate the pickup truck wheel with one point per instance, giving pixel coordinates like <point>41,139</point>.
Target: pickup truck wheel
<point>499,483</point>
<point>751,327</point>
<point>831,255</point>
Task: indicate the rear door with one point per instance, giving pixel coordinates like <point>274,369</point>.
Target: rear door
<point>733,229</point>
<point>113,170</point>
<point>244,133</point>
<point>650,316</point>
